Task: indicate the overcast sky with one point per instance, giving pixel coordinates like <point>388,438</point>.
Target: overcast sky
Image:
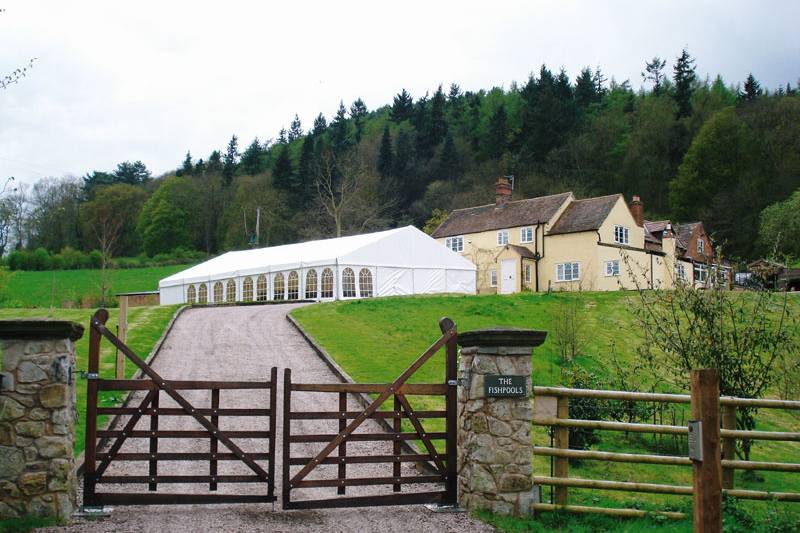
<point>121,81</point>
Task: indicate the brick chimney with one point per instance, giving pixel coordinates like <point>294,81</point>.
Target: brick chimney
<point>637,210</point>
<point>502,192</point>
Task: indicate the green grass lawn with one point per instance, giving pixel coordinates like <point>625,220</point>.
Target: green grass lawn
<point>67,288</point>
<point>383,336</point>
<point>145,326</point>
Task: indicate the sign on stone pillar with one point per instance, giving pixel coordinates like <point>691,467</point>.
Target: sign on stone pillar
<point>37,418</point>
<point>495,413</point>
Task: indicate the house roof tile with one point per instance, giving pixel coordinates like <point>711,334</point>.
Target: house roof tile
<point>585,215</point>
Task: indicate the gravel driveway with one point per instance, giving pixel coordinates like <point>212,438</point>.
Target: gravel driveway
<point>243,343</point>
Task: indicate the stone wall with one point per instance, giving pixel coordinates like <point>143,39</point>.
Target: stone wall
<point>37,418</point>
<point>494,440</point>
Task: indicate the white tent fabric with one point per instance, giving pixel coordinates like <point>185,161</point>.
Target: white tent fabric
<point>394,262</point>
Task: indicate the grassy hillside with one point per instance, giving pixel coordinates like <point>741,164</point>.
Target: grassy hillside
<point>382,336</point>
<point>71,288</point>
<point>145,326</point>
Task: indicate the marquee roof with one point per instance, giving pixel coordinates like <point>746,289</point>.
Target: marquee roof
<point>405,247</point>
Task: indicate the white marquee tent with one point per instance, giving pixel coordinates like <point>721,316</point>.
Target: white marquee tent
<point>394,262</point>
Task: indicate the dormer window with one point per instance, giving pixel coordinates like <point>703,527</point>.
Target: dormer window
<point>621,235</point>
<point>502,237</point>
<point>701,245</point>
<point>526,235</point>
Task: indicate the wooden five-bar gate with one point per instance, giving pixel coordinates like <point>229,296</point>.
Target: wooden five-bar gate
<point>441,462</point>
<point>98,460</point>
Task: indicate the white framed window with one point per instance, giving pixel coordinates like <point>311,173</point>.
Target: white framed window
<point>680,271</point>
<point>293,285</point>
<point>277,287</point>
<point>202,294</point>
<point>612,268</point>
<point>701,245</point>
<point>365,283</point>
<point>700,273</point>
<point>348,283</point>
<point>568,271</point>
<point>262,287</point>
<point>526,234</point>
<point>527,272</point>
<point>311,284</point>
<point>191,294</point>
<point>247,290</point>
<point>502,237</point>
<point>621,235</point>
<point>455,243</point>
<point>218,292</point>
<point>230,291</point>
<point>493,278</point>
<point>327,283</point>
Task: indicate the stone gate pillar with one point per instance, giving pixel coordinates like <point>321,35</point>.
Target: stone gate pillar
<point>37,418</point>
<point>495,412</point>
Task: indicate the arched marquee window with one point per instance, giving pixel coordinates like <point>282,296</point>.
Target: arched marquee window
<point>277,286</point>
<point>365,283</point>
<point>327,284</point>
<point>202,294</point>
<point>311,284</point>
<point>293,286</point>
<point>218,292</point>
<point>348,283</point>
<point>247,290</point>
<point>230,291</point>
<point>191,294</point>
<point>262,293</point>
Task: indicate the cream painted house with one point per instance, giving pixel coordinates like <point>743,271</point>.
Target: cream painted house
<point>559,242</point>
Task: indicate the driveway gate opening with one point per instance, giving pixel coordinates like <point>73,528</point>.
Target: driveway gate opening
<point>441,461</point>
<point>221,446</point>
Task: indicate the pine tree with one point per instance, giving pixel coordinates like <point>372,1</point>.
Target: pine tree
<point>385,154</point>
<point>282,170</point>
<point>585,89</point>
<point>454,95</point>
<point>422,124</point>
<point>320,125</point>
<point>449,160</point>
<point>402,107</point>
<point>358,112</point>
<point>654,72</point>
<point>251,158</point>
<point>295,129</point>
<point>340,130</point>
<point>230,159</point>
<point>684,77</point>
<point>282,136</point>
<point>752,89</point>
<point>215,162</point>
<point>438,125</point>
<point>187,167</point>
<point>403,154</point>
<point>497,137</point>
<point>200,167</point>
<point>305,175</point>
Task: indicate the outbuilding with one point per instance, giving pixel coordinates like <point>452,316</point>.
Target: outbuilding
<point>400,261</point>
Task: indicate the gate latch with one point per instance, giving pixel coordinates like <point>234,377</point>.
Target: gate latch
<point>456,382</point>
<point>88,375</point>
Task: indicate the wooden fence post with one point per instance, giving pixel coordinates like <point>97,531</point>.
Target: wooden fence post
<point>728,445</point>
<point>122,334</point>
<point>707,474</point>
<point>561,467</point>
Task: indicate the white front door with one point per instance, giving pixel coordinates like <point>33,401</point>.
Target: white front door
<point>508,276</point>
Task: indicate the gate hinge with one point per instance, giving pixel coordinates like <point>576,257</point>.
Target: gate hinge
<point>88,375</point>
<point>456,382</point>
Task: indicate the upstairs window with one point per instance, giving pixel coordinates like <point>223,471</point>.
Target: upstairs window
<point>526,234</point>
<point>327,283</point>
<point>455,243</point>
<point>621,235</point>
<point>568,271</point>
<point>701,245</point>
<point>502,237</point>
<point>612,268</point>
<point>348,283</point>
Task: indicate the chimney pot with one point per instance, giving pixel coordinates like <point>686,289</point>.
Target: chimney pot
<point>637,210</point>
<point>502,192</point>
